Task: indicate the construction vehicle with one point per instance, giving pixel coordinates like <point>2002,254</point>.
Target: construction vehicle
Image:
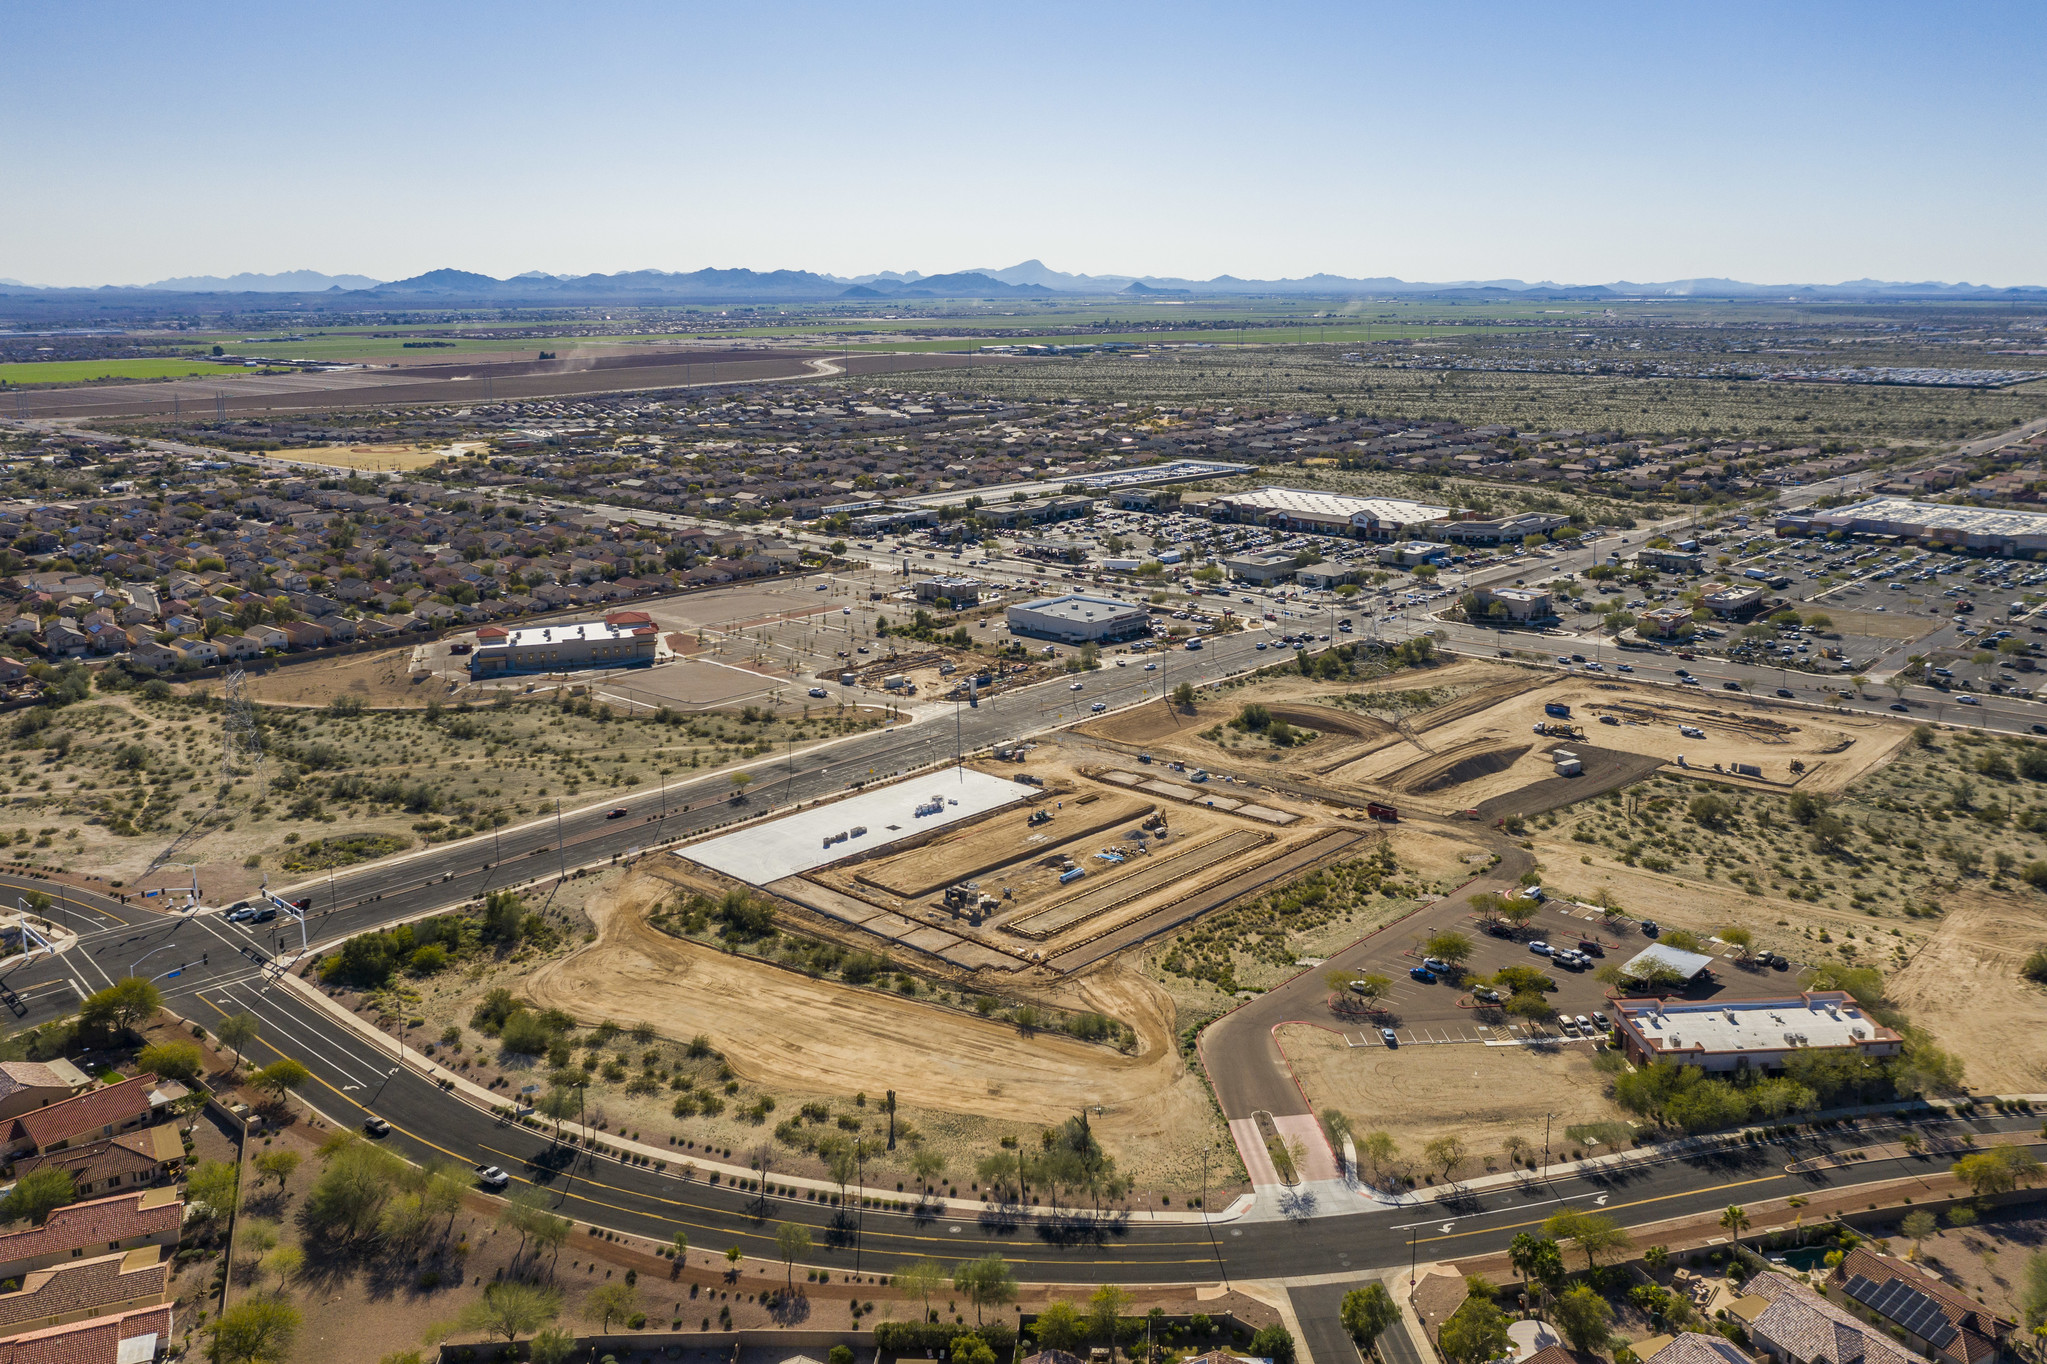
<point>1039,817</point>
<point>1386,814</point>
<point>1556,730</point>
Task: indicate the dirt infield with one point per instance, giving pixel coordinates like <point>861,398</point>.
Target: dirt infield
<point>788,1031</point>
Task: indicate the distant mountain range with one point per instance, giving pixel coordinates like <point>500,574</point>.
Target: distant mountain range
<point>1028,279</point>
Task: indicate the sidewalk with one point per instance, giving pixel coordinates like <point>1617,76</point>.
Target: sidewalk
<point>616,1147</point>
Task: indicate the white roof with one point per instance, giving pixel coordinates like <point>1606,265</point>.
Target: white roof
<point>768,851</point>
<point>528,636</point>
<point>1338,506</point>
<point>1939,516</point>
<point>1751,1025</point>
<point>1685,963</point>
<point>1079,607</point>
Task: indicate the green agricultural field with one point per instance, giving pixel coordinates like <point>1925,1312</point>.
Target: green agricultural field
<point>29,373</point>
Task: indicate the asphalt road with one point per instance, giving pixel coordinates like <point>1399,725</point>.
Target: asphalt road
<point>353,1075</point>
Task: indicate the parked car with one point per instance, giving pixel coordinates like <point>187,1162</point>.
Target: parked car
<point>1387,1036</point>
<point>1540,948</point>
<point>1424,975</point>
<point>1436,964</point>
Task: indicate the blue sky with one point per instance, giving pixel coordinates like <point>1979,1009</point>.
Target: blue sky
<point>1579,143</point>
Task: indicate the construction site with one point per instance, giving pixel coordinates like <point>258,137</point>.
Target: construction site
<point>1486,741</point>
<point>1032,862</point>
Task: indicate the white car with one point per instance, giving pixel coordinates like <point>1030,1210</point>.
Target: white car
<point>491,1177</point>
<point>1076,686</point>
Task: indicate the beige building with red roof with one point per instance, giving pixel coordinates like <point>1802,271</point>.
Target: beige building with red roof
<point>99,1226</point>
<point>92,1116</point>
<point>118,1338</point>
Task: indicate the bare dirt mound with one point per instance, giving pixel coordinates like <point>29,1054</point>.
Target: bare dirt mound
<point>786,1030</point>
<point>1964,987</point>
<point>1332,722</point>
<point>1456,766</point>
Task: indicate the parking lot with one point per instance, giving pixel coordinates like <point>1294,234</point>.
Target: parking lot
<point>1446,1012</point>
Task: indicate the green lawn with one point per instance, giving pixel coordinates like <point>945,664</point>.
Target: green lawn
<point>29,372</point>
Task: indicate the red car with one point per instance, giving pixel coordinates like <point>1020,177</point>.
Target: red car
<point>619,813</point>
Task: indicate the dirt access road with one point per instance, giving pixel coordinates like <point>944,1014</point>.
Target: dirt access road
<point>784,1030</point>
<point>1242,1057</point>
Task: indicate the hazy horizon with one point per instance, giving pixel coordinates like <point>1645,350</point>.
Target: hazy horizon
<point>1579,145</point>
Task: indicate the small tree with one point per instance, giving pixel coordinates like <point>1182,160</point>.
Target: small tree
<point>255,1331</point>
<point>1367,1312</point>
<point>173,1060</point>
<point>611,1301</point>
<point>1917,1226</point>
<point>1738,938</point>
<point>1450,945</point>
<point>1183,696</point>
<point>920,1280</point>
<point>238,1031</point>
<point>284,1262</point>
<point>792,1242</point>
<point>986,1282</point>
<point>511,1309</point>
<point>1059,1326</point>
<point>1594,1233</point>
<point>1106,1306</point>
<point>279,1076</point>
<point>1445,1153</point>
<point>1584,1317</point>
<point>39,1192</point>
<point>279,1164</point>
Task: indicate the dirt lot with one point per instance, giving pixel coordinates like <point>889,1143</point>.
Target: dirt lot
<point>109,782</point>
<point>1480,1093</point>
<point>1964,985</point>
<point>963,1079</point>
<point>376,679</point>
<point>372,457</point>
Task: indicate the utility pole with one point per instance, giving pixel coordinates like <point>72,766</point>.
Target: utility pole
<point>561,856</point>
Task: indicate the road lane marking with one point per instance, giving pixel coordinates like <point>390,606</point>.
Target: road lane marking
<point>259,1001</point>
<point>1639,1202</point>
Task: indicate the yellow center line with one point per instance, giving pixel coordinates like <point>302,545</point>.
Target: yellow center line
<point>1636,1203</point>
<point>37,889</point>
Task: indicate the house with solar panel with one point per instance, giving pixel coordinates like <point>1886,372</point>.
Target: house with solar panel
<point>1936,1319</point>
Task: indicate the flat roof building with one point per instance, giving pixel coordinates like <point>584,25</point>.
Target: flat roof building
<point>1998,530</point>
<point>959,592</point>
<point>623,639</point>
<point>1274,567</point>
<point>1747,1033</point>
<point>1503,530</point>
<point>1079,619</point>
<point>1368,518</point>
<point>1411,552</point>
<point>1726,599</point>
<point>1515,603</point>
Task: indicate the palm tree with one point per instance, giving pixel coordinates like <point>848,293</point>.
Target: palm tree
<point>1735,1220</point>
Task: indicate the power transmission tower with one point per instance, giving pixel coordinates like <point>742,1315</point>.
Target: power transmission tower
<point>241,737</point>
